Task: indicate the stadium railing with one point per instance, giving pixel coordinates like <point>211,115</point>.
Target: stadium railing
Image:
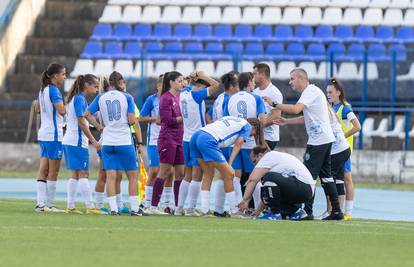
<point>7,13</point>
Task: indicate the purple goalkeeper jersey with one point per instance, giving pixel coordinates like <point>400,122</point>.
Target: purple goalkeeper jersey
<point>171,131</point>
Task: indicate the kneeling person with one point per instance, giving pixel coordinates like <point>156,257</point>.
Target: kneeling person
<point>286,182</point>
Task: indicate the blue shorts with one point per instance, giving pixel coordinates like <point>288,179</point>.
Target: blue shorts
<point>76,158</point>
<point>122,158</point>
<point>51,149</point>
<point>153,157</point>
<point>188,161</point>
<point>348,165</point>
<point>242,161</point>
<point>204,146</point>
<point>99,152</point>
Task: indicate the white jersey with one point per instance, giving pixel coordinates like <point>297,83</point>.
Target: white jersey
<point>151,108</point>
<point>286,165</point>
<point>75,109</point>
<point>193,110</point>
<point>219,106</point>
<point>245,105</point>
<point>340,143</point>
<point>271,132</point>
<point>114,107</point>
<point>227,129</point>
<point>51,122</point>
<point>316,116</point>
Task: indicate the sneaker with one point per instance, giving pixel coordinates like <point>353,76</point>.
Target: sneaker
<point>334,216</point>
<point>115,213</point>
<point>169,211</point>
<point>179,212</point>
<point>140,212</point>
<point>39,209</point>
<point>74,211</point>
<point>300,215</point>
<point>239,215</point>
<point>53,209</point>
<point>270,216</point>
<point>124,210</point>
<point>323,215</point>
<point>193,212</point>
<point>96,211</point>
<point>222,215</point>
<point>107,211</point>
<point>155,211</point>
<point>347,216</point>
<point>209,214</point>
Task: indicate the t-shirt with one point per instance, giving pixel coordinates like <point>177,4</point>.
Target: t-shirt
<point>151,108</point>
<point>51,122</point>
<point>114,107</point>
<point>220,105</point>
<point>271,132</point>
<point>171,131</point>
<point>287,165</point>
<point>347,113</point>
<point>74,135</point>
<point>340,143</point>
<point>316,116</point>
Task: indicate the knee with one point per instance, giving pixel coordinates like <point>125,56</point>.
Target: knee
<point>340,187</point>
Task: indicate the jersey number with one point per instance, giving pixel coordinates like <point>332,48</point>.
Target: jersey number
<point>242,109</point>
<point>185,109</point>
<point>114,109</point>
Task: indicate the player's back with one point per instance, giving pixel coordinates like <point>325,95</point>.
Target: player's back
<point>226,130</point>
<point>243,105</point>
<point>51,122</point>
<point>193,109</point>
<point>74,135</point>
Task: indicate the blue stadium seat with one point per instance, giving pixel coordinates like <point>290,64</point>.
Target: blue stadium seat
<point>162,32</point>
<point>304,33</point>
<point>254,51</point>
<point>244,33</point>
<point>283,33</point>
<point>263,32</point>
<point>234,48</point>
<point>365,34</point>
<point>203,32</point>
<point>376,52</point>
<point>101,32</point>
<point>154,50</point>
<point>385,34</point>
<point>316,52</point>
<point>183,32</point>
<point>337,50</point>
<point>223,33</point>
<point>194,51</point>
<point>173,50</point>
<point>296,52</point>
<point>356,52</point>
<point>142,32</point>
<point>400,50</point>
<point>275,51</point>
<point>405,34</point>
<point>113,50</point>
<point>215,51</point>
<point>344,33</point>
<point>132,50</point>
<point>92,50</point>
<point>122,32</point>
<point>324,33</point>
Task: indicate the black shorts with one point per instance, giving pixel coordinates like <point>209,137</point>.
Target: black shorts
<point>318,160</point>
<point>271,144</point>
<point>338,164</point>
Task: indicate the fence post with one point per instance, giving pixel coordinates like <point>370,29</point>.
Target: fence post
<point>361,133</point>
<point>364,96</point>
<point>407,130</point>
<point>393,85</point>
<point>331,64</point>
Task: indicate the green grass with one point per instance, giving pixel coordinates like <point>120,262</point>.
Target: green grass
<point>30,239</point>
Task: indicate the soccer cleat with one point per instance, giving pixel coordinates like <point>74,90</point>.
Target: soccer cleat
<point>39,209</point>
<point>347,216</point>
<point>124,210</point>
<point>96,211</point>
<point>74,211</point>
<point>221,215</point>
<point>270,216</point>
<point>334,216</point>
<point>300,215</point>
<point>209,214</point>
<point>179,212</point>
<point>107,211</point>
<point>115,213</point>
<point>239,215</point>
<point>154,211</point>
<point>169,211</point>
<point>323,215</point>
<point>140,212</point>
<point>53,209</point>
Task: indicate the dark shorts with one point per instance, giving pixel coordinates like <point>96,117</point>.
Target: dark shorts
<point>318,160</point>
<point>338,164</point>
<point>171,154</point>
<point>272,144</point>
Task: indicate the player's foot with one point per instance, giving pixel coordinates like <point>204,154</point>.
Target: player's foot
<point>190,212</point>
<point>301,215</point>
<point>239,215</point>
<point>54,209</point>
<point>269,216</point>
<point>347,216</point>
<point>222,215</point>
<point>323,215</point>
<point>124,210</point>
<point>179,212</point>
<point>96,211</point>
<point>154,211</point>
<point>209,214</point>
<point>115,213</point>
<point>73,211</point>
<point>39,209</point>
<point>105,210</point>
<point>169,211</point>
<point>334,216</point>
<point>140,212</point>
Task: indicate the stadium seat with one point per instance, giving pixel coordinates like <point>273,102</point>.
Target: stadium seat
<point>339,3</point>
<point>251,15</point>
<point>408,18</point>
<point>337,50</point>
<point>113,50</point>
<point>82,66</point>
<point>280,3</point>
<point>283,70</point>
<point>215,51</point>
<point>122,32</point>
<point>400,4</point>
<point>367,126</point>
<point>372,16</point>
<point>231,15</point>
<point>148,69</point>
<point>142,32</point>
<point>67,85</point>
<point>206,66</point>
<point>153,50</point>
<point>126,67</point>
<point>111,14</point>
<point>218,2</point>
<point>298,3</point>
<point>191,14</point>
<point>271,15</point>
<point>404,77</point>
<point>162,32</point>
<point>324,71</point>
<point>295,52</point>
<point>254,51</point>
<point>324,33</point>
<point>234,48</point>
<point>372,71</point>
<point>262,3</point>
<point>348,71</point>
<point>173,50</point>
<point>275,51</point>
<point>312,16</point>
<point>263,32</point>
<point>376,52</point>
<point>101,32</point>
<point>223,67</point>
<point>243,33</point>
<point>382,128</point>
<point>400,51</point>
<point>185,67</point>
<point>132,50</point>
<point>180,2</point>
<point>365,34</point>
<point>240,3</point>
<point>359,3</point>
<point>283,33</point>
<point>380,4</point>
<point>194,51</point>
<point>103,67</point>
<point>310,68</point>
<point>171,14</point>
<point>319,3</point>
<point>397,130</point>
<point>211,15</point>
<point>303,33</point>
<point>247,66</point>
<point>344,33</point>
<point>151,14</point>
<point>332,16</point>
<point>352,16</point>
<point>92,50</point>
<point>183,32</point>
<point>392,17</point>
<point>405,34</point>
<point>131,14</point>
<point>291,16</point>
<point>203,32</point>
<point>410,133</point>
<point>316,51</point>
<point>385,34</point>
<point>163,66</point>
<point>356,52</point>
<point>223,32</point>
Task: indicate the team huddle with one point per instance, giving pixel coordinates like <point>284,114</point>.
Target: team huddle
<point>188,146</point>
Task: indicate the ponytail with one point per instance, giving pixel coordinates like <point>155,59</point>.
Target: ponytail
<point>259,136</point>
<point>47,75</point>
<point>79,84</point>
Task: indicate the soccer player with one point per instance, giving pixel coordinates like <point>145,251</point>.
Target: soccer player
<point>317,157</point>
<point>75,143</point>
<point>286,184</point>
<point>193,110</point>
<point>266,90</point>
<point>350,125</point>
<point>118,153</point>
<point>52,109</point>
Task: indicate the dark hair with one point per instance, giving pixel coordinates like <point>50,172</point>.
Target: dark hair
<point>263,68</point>
<point>160,82</point>
<point>199,81</point>
<point>103,84</point>
<point>259,136</point>
<point>52,69</point>
<point>79,84</point>
<point>169,76</point>
<point>229,79</point>
<point>244,79</point>
<point>259,149</point>
<point>339,87</point>
<point>114,80</point>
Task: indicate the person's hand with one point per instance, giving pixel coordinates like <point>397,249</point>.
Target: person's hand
<point>268,100</point>
<point>140,149</point>
<point>255,213</point>
<point>158,120</point>
<point>96,145</point>
<point>280,121</point>
<point>243,205</point>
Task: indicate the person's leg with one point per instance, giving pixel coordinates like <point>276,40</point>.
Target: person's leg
<point>272,144</point>
<point>349,189</point>
<point>195,186</point>
<point>184,187</point>
<point>228,173</point>
<point>54,166</point>
<point>71,188</point>
<point>110,166</point>
<point>313,162</point>
<point>154,167</point>
<point>41,187</point>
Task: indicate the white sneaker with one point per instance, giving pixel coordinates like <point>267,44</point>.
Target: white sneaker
<point>39,209</point>
<point>179,212</point>
<point>54,209</point>
<point>323,215</point>
<point>239,215</point>
<point>154,211</point>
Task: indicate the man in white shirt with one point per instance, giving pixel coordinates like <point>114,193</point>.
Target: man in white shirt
<point>317,157</point>
<point>267,90</point>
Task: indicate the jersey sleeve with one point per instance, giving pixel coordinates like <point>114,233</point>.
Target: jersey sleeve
<point>307,98</point>
<point>131,104</point>
<point>200,95</point>
<point>136,111</point>
<point>80,105</point>
<point>260,107</point>
<point>245,131</point>
<point>346,110</point>
<point>94,106</point>
<point>55,95</point>
<point>147,107</point>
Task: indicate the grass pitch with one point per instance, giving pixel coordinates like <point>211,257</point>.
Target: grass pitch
<point>31,239</point>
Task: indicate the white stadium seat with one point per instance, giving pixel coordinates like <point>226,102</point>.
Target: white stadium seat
<point>68,84</point>
<point>262,3</point>
<point>126,67</point>
<point>163,66</point>
<point>180,2</point>
<point>292,15</point>
<point>280,3</point>
<point>380,4</point>
<point>348,71</point>
<point>382,128</point>
<point>191,14</point>
<point>372,71</point>
<point>359,3</point>
<point>240,3</point>
<point>367,126</point>
<point>398,129</point>
<point>319,3</point>
<point>158,2</point>
<point>410,133</point>
<point>131,14</point>
<point>231,15</point>
<point>103,67</point>
<point>400,4</point>
<point>151,14</point>
<point>409,18</point>
<point>148,69</point>
<point>352,16</point>
<point>111,14</point>
<point>128,2</point>
<point>211,15</point>
<point>405,77</point>
<point>251,15</point>
<point>324,71</point>
<point>339,3</point>
<point>206,66</point>
<point>247,66</point>
<point>393,17</point>
<point>332,16</point>
<point>271,15</point>
<point>218,2</point>
<point>223,67</point>
<point>312,16</point>
<point>372,16</point>
<point>82,66</point>
<point>185,67</point>
<point>171,14</point>
<point>310,68</point>
<point>283,70</point>
<point>299,3</point>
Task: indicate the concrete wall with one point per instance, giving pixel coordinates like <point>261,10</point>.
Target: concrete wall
<point>12,42</point>
<point>367,165</point>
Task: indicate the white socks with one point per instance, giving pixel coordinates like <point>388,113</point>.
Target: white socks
<point>231,199</point>
<point>41,192</point>
<point>112,203</point>
<point>86,192</point>
<point>119,201</point>
<point>71,188</point>
<point>237,189</point>
<point>195,187</point>
<point>99,199</point>
<point>134,201</point>
<point>51,193</point>
<point>148,196</point>
<point>256,195</point>
<point>205,201</point>
<point>182,195</point>
<point>349,205</point>
<point>220,196</point>
<point>166,194</point>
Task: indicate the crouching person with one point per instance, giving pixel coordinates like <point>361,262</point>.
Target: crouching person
<point>286,184</point>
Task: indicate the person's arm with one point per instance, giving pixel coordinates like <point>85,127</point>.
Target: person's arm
<point>214,85</point>
<point>36,106</point>
<point>290,109</point>
<point>356,127</point>
<point>254,178</point>
<point>236,149</point>
<point>147,119</point>
<point>283,121</point>
<point>85,129</point>
<point>57,100</point>
<point>80,105</point>
<point>146,111</point>
<point>92,109</point>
